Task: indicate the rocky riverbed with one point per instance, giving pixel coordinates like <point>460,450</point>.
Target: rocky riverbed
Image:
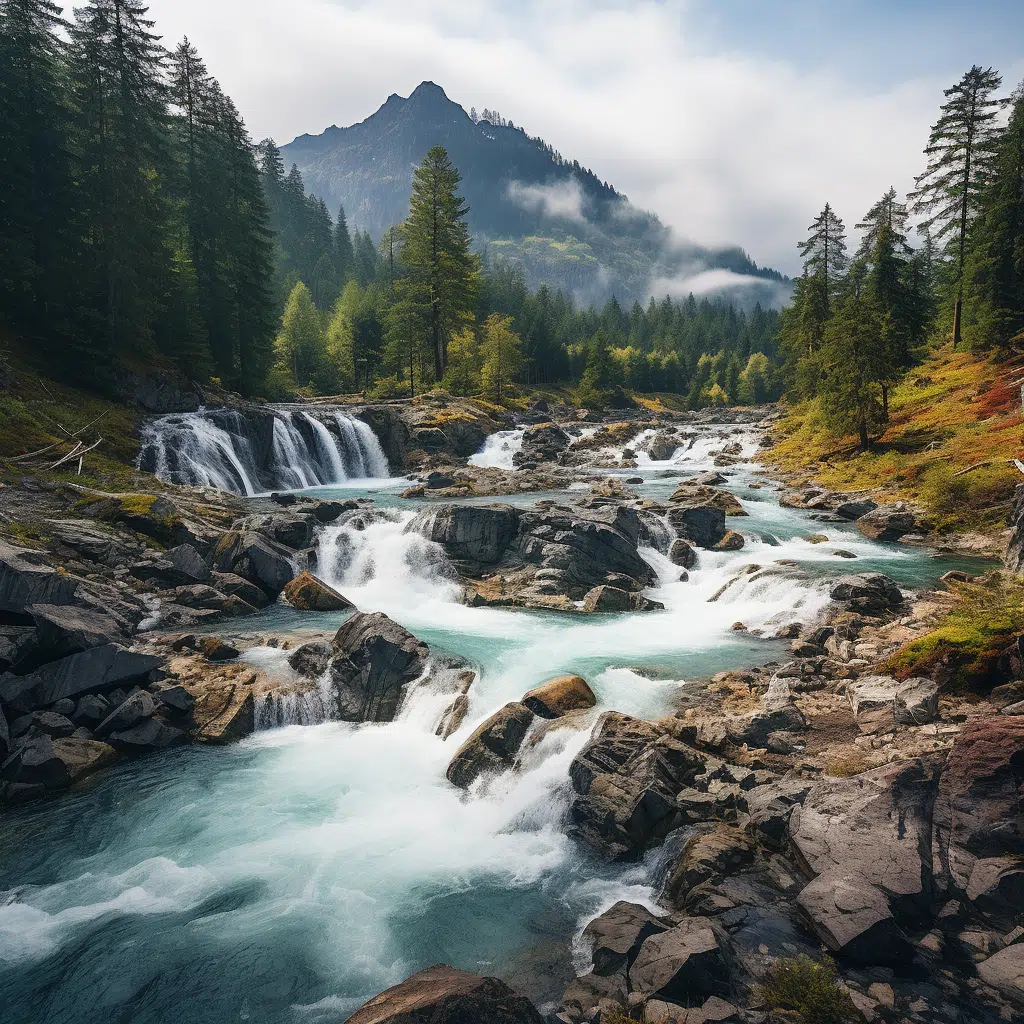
<point>584,706</point>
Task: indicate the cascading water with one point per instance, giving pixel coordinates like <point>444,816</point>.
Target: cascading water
<point>499,450</point>
<point>262,450</point>
<point>289,877</point>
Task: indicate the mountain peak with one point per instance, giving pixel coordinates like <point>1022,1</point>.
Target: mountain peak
<point>429,91</point>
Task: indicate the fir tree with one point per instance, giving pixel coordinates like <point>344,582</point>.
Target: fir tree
<point>960,152</point>
<point>502,354</point>
<point>438,288</point>
<point>38,200</point>
<point>343,249</point>
<point>824,254</point>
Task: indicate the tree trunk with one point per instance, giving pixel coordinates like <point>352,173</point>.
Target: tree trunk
<point>862,430</point>
<point>885,402</point>
<point>957,308</point>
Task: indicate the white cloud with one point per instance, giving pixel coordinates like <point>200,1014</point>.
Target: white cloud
<point>725,147</point>
<point>560,199</point>
<point>716,280</point>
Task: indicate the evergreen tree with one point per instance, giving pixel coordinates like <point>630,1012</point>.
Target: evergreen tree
<point>854,366</point>
<point>120,142</point>
<point>994,274</point>
<point>38,200</point>
<point>300,343</point>
<point>824,254</point>
<point>960,151</point>
<point>343,260</point>
<point>502,354</point>
<point>438,289</point>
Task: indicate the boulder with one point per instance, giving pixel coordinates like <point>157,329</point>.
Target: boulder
<point>682,965</point>
<point>26,579</point>
<point>309,594</point>
<point>545,442</point>
<point>69,629</point>
<point>880,702</point>
<point>559,696</point>
<point>213,648</point>
<point>234,586</point>
<point>702,524</point>
<point>203,598</point>
<point>99,668</point>
<point>90,710</point>
<point>19,646</point>
<point>94,541</point>
<point>374,661</point>
<point>731,541</point>
<point>853,919</point>
<point>855,509</point>
<point>443,995</point>
<point>148,734</point>
<point>223,714</point>
<point>887,522</point>
<point>682,553</point>
<point>1014,557</point>
<point>311,660</point>
<point>615,937</point>
<point>177,567</point>
<point>979,817</point>
<point>492,746</point>
<point>263,562</point>
<point>53,724</point>
<point>478,534</point>
<point>128,713</point>
<point>662,446</point>
<point>862,900</point>
<point>722,850</point>
<point>615,599</point>
<point>55,763</point>
<point>691,493</point>
<point>1004,971</point>
<point>625,782</point>
<point>869,592</point>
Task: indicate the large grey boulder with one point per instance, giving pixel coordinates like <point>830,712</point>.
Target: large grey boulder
<point>703,524</point>
<point>26,579</point>
<point>870,592</point>
<point>444,995</point>
<point>869,835</point>
<point>68,629</point>
<point>54,763</point>
<point>545,442</point>
<point>625,782</point>
<point>1004,971</point>
<point>492,746</point>
<point>99,668</point>
<point>978,842</point>
<point>252,556</point>
<point>887,522</point>
<point>469,533</point>
<point>881,702</point>
<point>128,713</point>
<point>615,937</point>
<point>374,661</point>
<point>683,965</point>
<point>177,567</point>
<point>855,508</point>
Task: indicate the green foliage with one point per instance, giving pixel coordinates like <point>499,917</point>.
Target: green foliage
<point>501,356</point>
<point>967,646</point>
<point>810,988</point>
<point>464,364</point>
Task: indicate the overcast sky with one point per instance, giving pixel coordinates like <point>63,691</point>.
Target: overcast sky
<point>733,120</point>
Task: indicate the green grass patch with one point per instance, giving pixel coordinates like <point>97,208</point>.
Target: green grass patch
<point>810,988</point>
<point>965,650</point>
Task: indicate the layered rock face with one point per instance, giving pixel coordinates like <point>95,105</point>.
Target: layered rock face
<point>561,550</point>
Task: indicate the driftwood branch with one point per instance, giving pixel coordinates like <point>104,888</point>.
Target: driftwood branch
<point>77,453</point>
<point>980,465</point>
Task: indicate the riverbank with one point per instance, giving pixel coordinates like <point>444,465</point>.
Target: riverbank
<point>674,787</point>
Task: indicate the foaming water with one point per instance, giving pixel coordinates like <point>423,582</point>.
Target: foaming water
<point>499,450</point>
<point>285,449</point>
<point>291,876</point>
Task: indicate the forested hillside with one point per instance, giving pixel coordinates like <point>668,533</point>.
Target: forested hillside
<point>528,204</point>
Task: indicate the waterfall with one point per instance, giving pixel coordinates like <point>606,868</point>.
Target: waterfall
<point>261,450</point>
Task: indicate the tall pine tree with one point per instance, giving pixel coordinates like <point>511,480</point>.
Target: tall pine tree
<point>960,152</point>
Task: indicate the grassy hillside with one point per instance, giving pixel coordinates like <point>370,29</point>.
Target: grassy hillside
<point>955,427</point>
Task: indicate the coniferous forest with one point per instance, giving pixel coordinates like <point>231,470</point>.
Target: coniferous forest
<point>139,222</point>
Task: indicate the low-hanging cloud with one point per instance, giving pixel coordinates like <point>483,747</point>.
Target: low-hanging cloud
<point>717,281</point>
<point>562,199</point>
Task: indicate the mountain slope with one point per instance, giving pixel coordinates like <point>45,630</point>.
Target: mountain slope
<point>527,204</point>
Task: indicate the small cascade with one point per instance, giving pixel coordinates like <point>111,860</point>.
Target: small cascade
<point>499,449</point>
<point>262,449</point>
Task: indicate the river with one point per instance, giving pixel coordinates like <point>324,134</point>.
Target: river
<point>295,874</point>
